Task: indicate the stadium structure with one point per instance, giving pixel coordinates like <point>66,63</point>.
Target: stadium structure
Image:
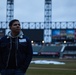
<point>55,39</point>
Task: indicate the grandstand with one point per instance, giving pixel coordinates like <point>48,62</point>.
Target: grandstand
<point>69,52</point>
<point>64,51</point>
<point>47,50</point>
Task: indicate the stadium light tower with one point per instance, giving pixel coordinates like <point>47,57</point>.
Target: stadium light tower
<point>47,21</point>
<point>10,10</point>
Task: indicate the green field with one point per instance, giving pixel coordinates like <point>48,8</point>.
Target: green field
<point>69,68</point>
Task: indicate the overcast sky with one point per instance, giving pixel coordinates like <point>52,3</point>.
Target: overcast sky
<point>33,10</point>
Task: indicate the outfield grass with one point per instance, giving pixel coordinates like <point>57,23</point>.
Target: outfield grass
<point>49,69</point>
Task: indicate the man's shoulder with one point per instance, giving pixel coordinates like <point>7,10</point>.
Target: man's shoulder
<point>4,37</point>
<point>26,37</point>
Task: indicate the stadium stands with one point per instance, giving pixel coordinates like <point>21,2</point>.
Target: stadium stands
<point>69,52</point>
<point>52,51</point>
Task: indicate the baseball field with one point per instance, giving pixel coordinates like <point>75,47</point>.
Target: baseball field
<point>69,68</point>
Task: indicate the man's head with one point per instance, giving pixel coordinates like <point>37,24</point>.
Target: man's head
<point>14,26</point>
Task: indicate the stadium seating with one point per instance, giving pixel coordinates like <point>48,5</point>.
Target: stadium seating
<point>69,52</point>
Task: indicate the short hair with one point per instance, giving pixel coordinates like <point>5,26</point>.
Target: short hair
<point>12,21</point>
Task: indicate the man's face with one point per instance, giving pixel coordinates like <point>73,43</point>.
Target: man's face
<point>15,28</point>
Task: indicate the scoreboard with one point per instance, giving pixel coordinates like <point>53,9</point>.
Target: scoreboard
<point>35,35</point>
